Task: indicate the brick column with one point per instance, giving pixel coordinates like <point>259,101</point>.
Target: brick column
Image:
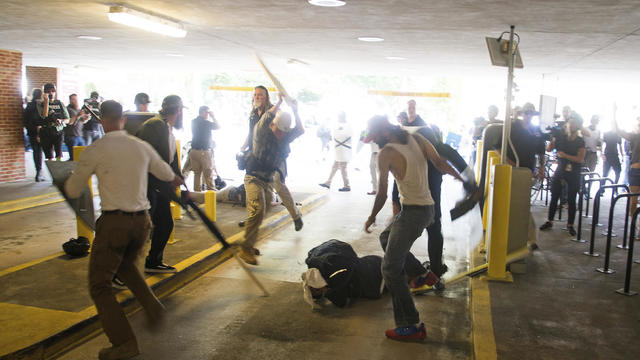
<point>11,135</point>
<point>39,75</point>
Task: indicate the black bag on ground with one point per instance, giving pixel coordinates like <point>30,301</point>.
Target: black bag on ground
<point>219,183</point>
<point>77,247</point>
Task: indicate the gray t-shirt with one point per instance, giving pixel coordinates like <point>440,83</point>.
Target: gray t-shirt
<point>74,129</point>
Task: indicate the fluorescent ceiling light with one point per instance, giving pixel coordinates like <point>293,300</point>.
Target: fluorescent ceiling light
<point>395,58</point>
<point>88,37</point>
<point>370,38</point>
<point>175,55</point>
<point>144,21</point>
<point>327,3</point>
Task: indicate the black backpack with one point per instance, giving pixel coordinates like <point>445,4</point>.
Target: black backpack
<point>77,247</point>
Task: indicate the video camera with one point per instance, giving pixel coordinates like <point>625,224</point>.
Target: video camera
<point>555,131</point>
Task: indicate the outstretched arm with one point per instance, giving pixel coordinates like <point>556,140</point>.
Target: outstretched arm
<point>383,183</point>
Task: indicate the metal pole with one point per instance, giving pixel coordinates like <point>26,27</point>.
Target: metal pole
<point>506,129</point>
<point>596,213</point>
<point>606,269</point>
<point>581,200</point>
<point>627,278</point>
<point>626,226</point>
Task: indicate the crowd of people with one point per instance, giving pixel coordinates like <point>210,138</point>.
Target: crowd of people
<point>411,150</point>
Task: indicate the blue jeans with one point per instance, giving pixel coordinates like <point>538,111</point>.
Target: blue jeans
<point>399,237</point>
<point>72,141</point>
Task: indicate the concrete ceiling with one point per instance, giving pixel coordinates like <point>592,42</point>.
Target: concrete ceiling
<point>435,36</point>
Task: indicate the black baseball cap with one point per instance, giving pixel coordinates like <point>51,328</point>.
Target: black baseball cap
<point>141,98</point>
<point>48,86</point>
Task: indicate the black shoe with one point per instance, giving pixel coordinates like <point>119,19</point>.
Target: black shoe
<point>546,226</point>
<point>116,283</point>
<point>325,185</point>
<point>160,268</point>
<point>298,223</point>
<point>346,188</point>
<point>571,230</point>
<point>241,223</point>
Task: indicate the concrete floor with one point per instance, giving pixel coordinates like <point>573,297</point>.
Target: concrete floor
<point>560,308</point>
<point>222,315</point>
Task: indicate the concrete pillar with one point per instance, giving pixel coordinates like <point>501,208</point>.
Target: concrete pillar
<point>11,135</point>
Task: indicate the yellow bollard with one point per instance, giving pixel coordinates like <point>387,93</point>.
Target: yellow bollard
<point>83,229</point>
<point>478,160</point>
<point>498,233</point>
<point>210,204</point>
<point>492,159</point>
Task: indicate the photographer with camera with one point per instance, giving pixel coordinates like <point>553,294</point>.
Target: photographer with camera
<point>201,153</point>
<point>54,115</point>
<point>73,130</point>
<point>571,151</point>
<point>92,129</point>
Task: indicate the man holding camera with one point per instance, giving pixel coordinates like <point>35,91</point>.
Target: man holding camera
<point>201,153</point>
<point>92,129</point>
<point>54,116</point>
<point>272,136</point>
<point>73,130</point>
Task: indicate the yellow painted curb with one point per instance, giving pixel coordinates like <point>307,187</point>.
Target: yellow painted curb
<point>83,325</point>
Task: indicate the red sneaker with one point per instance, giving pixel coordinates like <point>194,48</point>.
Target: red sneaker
<point>407,333</point>
<point>429,279</point>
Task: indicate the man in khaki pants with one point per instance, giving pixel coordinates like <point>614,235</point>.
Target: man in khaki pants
<point>122,163</point>
<point>201,153</point>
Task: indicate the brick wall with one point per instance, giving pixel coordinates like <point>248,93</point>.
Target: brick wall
<point>39,75</point>
<point>11,135</point>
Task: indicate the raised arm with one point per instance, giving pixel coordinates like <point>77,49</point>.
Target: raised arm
<point>432,155</point>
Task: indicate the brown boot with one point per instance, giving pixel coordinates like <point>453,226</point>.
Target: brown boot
<point>248,256</point>
<point>124,351</point>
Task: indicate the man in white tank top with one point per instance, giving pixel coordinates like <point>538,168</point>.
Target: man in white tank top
<point>405,156</point>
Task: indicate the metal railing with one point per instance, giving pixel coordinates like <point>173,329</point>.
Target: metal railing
<point>627,278</point>
<point>581,197</point>
<point>596,215</point>
<point>606,269</point>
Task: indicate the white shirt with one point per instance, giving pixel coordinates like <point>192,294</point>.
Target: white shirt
<point>414,187</point>
<point>591,142</point>
<point>121,162</point>
<point>342,142</point>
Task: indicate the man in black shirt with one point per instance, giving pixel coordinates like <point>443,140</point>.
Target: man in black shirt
<point>528,142</point>
<point>31,121</point>
<point>73,130</point>
<point>262,104</point>
<point>613,144</point>
<point>53,116</point>
<point>201,153</point>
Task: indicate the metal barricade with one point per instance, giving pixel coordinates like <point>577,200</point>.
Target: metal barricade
<point>581,196</point>
<point>596,215</point>
<point>627,278</point>
<point>592,176</point>
<point>606,269</point>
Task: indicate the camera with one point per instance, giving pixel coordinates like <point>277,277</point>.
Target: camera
<point>555,131</point>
